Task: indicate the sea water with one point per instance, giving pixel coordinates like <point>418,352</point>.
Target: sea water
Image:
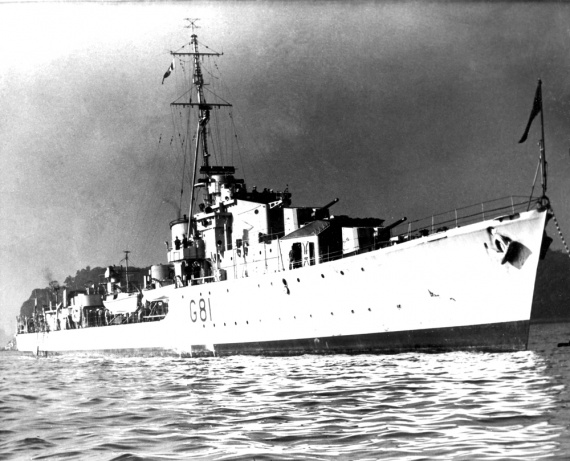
<point>411,406</point>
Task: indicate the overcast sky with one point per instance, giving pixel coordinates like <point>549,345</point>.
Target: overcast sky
<point>398,109</point>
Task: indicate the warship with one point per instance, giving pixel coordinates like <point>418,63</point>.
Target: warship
<point>247,272</point>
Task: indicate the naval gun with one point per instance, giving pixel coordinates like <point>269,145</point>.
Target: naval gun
<point>389,227</point>
<point>323,212</point>
<point>384,233</point>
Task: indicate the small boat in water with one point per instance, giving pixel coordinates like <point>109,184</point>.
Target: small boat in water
<point>249,273</point>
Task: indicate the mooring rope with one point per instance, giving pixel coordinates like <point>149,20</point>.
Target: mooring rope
<point>560,232</point>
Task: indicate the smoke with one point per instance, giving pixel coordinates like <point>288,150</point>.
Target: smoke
<point>48,275</point>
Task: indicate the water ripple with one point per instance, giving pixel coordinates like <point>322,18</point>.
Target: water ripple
<point>410,406</point>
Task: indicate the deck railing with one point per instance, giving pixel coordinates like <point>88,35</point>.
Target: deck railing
<point>459,217</point>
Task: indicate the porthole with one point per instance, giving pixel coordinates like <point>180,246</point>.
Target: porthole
<point>256,211</point>
<point>332,313</point>
<point>235,323</point>
<point>370,309</point>
<point>322,275</point>
<point>341,273</point>
<point>352,311</point>
<point>247,322</point>
<point>299,280</point>
<point>362,269</point>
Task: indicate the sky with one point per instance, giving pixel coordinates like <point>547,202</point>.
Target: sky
<point>397,108</point>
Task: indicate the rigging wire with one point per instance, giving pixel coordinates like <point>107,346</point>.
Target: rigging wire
<point>216,143</point>
<point>534,182</point>
<point>208,48</point>
<point>135,223</point>
<point>182,185</point>
<point>182,145</point>
<point>256,147</point>
<point>216,128</point>
<point>220,87</point>
<point>157,199</point>
<point>238,147</point>
<point>224,146</point>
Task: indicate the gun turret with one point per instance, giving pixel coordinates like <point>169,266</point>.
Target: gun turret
<point>384,233</point>
<point>322,212</point>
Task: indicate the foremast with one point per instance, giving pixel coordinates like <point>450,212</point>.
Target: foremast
<point>192,261</point>
<point>204,108</point>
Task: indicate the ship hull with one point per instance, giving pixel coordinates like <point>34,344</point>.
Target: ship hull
<point>499,337</point>
<point>468,288</point>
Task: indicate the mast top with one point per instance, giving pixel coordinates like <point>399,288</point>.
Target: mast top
<point>127,264</point>
<point>192,24</point>
<point>194,42</point>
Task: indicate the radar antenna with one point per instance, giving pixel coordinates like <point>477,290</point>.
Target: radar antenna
<point>192,24</point>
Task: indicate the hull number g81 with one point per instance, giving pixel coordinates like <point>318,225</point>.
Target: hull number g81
<point>200,310</point>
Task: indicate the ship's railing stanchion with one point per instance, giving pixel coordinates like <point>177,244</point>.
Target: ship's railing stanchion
<point>203,279</point>
<point>477,212</point>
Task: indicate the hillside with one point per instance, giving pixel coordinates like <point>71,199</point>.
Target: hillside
<point>87,277</point>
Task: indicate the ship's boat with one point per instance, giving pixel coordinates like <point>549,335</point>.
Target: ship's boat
<point>120,300</point>
<point>249,273</point>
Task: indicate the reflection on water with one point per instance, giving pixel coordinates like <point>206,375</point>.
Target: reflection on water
<point>409,406</point>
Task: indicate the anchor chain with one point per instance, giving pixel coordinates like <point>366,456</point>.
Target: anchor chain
<point>559,232</point>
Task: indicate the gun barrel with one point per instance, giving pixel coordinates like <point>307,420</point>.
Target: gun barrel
<point>328,205</point>
<point>394,224</point>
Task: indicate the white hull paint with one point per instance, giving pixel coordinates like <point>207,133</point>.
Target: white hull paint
<point>448,281</point>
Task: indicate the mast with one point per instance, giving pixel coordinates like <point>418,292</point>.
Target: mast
<point>203,109</point>
<point>203,112</point>
<point>127,265</point>
<point>536,109</point>
<point>542,147</point>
